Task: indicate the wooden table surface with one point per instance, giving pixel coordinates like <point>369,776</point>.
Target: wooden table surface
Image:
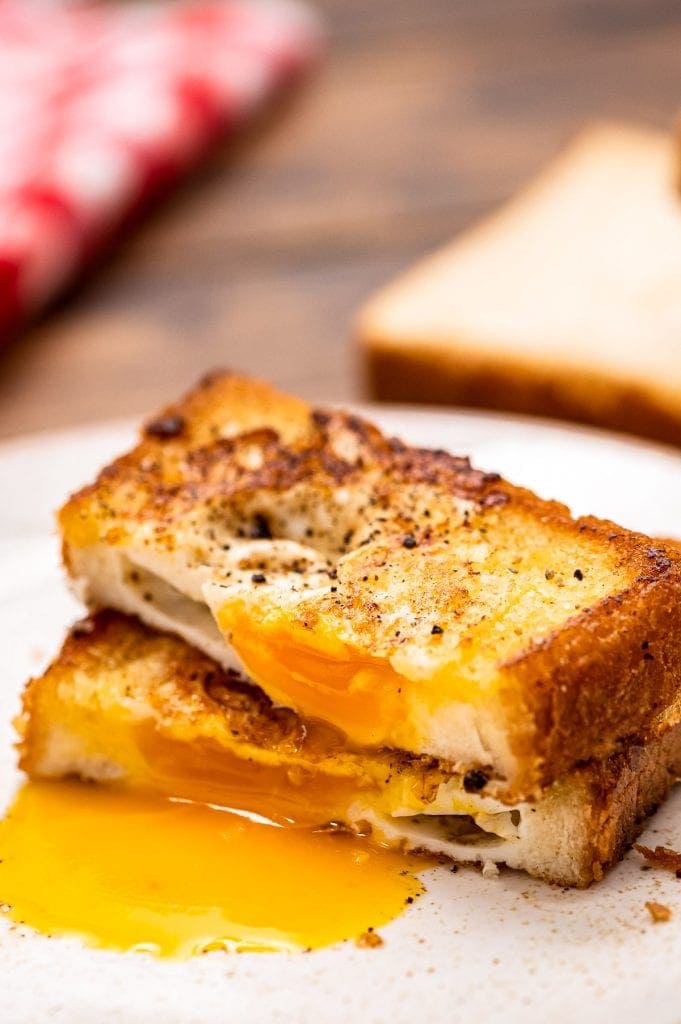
<point>426,114</point>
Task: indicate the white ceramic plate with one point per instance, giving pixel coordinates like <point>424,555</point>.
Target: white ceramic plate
<point>472,949</point>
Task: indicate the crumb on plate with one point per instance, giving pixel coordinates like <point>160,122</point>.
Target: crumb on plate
<point>658,911</point>
<point>369,939</point>
<point>661,857</point>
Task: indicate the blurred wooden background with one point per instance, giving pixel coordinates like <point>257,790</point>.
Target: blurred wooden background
<point>426,114</point>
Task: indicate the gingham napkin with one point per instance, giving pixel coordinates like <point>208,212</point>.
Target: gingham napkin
<point>104,105</point>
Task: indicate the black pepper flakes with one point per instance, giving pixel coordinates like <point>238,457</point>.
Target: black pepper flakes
<point>474,780</point>
<point>166,426</point>
<point>437,630</point>
<point>409,541</point>
<point>578,574</point>
<point>258,577</point>
<point>260,528</point>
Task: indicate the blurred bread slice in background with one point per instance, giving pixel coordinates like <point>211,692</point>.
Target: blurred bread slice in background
<point>565,303</point>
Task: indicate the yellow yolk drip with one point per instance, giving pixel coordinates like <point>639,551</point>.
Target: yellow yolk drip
<point>203,771</point>
<point>320,677</point>
<point>132,872</point>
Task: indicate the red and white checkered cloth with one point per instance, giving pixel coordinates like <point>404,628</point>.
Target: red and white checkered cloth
<point>104,105</point>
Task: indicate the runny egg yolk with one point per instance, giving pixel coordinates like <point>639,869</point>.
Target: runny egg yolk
<point>204,772</point>
<point>133,872</point>
<point>318,675</point>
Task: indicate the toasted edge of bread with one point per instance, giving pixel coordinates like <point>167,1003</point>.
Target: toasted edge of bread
<point>428,375</point>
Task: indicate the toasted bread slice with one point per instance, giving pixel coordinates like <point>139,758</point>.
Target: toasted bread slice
<point>565,303</point>
<point>125,705</point>
<point>398,594</point>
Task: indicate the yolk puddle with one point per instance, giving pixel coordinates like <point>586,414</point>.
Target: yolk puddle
<point>132,872</point>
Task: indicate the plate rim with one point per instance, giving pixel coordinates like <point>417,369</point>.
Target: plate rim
<point>368,409</point>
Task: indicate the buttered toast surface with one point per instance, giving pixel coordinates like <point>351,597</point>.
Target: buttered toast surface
<point>403,597</point>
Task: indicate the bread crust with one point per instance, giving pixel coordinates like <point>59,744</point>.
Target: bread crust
<point>622,792</point>
<point>610,677</point>
<point>437,375</point>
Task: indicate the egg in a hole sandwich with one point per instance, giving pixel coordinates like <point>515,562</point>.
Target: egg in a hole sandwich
<point>298,618</point>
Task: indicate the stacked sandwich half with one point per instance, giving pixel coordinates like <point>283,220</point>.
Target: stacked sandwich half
<point>298,616</point>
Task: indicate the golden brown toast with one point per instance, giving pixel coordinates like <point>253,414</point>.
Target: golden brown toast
<point>398,594</point>
<point>563,303</point>
<point>125,705</point>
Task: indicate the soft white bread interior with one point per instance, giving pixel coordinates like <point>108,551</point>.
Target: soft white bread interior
<point>567,302</point>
